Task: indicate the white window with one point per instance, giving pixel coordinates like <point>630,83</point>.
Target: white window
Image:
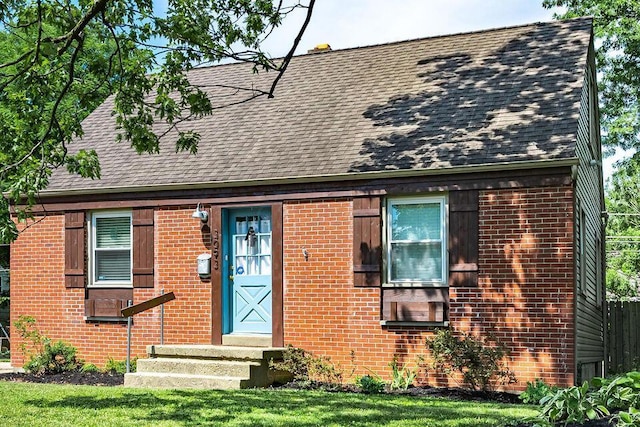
<point>111,242</point>
<point>416,240</point>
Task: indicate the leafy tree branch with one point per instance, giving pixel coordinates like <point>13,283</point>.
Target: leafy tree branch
<point>617,32</point>
<point>60,59</point>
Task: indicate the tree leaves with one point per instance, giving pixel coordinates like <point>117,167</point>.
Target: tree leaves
<point>623,229</point>
<point>60,59</point>
<point>617,30</point>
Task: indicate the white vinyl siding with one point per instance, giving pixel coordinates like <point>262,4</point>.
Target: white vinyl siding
<point>111,242</point>
<point>416,240</point>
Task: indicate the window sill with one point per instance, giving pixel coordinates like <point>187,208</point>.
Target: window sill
<point>414,285</point>
<point>105,319</point>
<point>111,286</point>
<point>444,324</point>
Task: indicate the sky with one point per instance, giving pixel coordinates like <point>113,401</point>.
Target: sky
<point>353,23</point>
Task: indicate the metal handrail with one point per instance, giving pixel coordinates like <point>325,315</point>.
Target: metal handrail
<point>132,310</point>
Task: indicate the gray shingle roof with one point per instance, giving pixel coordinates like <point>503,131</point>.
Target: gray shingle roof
<point>488,97</point>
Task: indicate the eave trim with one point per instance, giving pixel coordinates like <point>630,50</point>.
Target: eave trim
<point>493,167</point>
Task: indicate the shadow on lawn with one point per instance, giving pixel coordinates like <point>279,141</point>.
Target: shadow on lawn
<point>262,408</point>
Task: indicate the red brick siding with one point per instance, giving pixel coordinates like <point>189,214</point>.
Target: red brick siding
<point>323,311</point>
<point>179,241</point>
<point>524,298</point>
<point>526,292</point>
<point>37,288</point>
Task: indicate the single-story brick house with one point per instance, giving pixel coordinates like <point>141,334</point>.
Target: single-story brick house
<point>385,191</point>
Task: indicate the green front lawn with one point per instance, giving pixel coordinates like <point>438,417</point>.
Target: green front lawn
<point>23,404</point>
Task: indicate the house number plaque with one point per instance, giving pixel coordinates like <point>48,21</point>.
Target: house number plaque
<point>215,246</point>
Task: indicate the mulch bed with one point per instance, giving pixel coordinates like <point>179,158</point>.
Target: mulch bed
<point>113,379</point>
<point>74,378</point>
<point>426,391</point>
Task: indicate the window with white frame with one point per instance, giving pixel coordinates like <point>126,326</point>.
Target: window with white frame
<point>416,240</point>
<point>111,243</point>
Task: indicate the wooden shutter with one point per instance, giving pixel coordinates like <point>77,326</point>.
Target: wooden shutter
<point>74,249</point>
<point>367,241</point>
<point>463,238</point>
<point>415,304</point>
<point>143,248</point>
<point>106,302</point>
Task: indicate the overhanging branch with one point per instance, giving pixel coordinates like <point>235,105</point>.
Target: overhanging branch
<point>287,59</point>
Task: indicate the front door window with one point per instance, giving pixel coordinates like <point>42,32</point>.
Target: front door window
<point>252,245</point>
<point>250,278</point>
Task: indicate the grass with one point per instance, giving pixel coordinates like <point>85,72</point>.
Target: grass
<point>33,405</point>
<point>3,360</point>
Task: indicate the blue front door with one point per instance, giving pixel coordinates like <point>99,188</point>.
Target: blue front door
<point>249,301</point>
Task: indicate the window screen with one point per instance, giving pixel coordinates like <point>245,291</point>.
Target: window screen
<point>416,240</point>
<point>112,248</point>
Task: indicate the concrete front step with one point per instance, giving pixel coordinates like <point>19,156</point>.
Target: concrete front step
<point>206,367</point>
<point>176,381</point>
<point>215,352</point>
<point>247,340</point>
<point>231,368</point>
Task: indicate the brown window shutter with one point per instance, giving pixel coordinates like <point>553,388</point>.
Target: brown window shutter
<point>74,250</point>
<point>104,307</point>
<point>367,241</point>
<point>143,248</point>
<point>463,238</point>
<point>415,304</point>
<point>106,302</point>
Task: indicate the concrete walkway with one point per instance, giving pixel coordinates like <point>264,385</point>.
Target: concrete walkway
<point>5,367</point>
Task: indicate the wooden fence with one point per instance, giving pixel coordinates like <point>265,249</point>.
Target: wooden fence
<point>624,335</point>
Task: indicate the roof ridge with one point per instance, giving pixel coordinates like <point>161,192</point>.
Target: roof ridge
<point>461,33</point>
<point>417,39</point>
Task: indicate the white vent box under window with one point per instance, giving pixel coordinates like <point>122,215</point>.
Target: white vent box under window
<point>204,266</point>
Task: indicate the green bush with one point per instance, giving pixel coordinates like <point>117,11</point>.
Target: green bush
<point>629,418</point>
<point>534,392</point>
<point>89,367</point>
<point>619,392</point>
<point>44,357</point>
<point>589,401</point>
<point>571,405</point>
<point>480,365</point>
<point>304,366</point>
<point>370,384</point>
<point>33,341</point>
<point>120,366</point>
<point>402,377</point>
<point>54,359</point>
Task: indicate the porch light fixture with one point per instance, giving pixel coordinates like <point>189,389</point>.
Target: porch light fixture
<point>199,213</point>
